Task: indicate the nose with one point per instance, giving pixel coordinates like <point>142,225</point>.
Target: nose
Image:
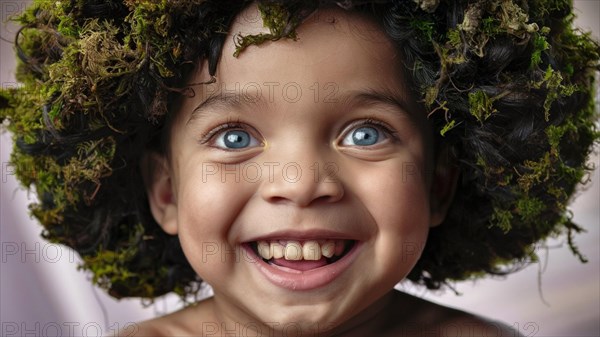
<point>303,184</point>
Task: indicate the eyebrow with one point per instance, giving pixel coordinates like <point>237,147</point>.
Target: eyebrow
<point>226,100</point>
<point>369,96</point>
<point>363,97</point>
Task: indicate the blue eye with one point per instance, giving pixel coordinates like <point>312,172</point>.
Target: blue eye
<point>235,139</point>
<point>363,136</point>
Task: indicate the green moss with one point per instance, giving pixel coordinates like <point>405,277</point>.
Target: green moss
<point>490,26</point>
<point>553,82</point>
<point>514,19</point>
<point>431,94</point>
<point>546,7</point>
<point>483,20</point>
<point>275,17</point>
<point>556,134</point>
<point>481,106</point>
<point>67,27</point>
<point>571,227</point>
<point>109,267</point>
<point>530,208</point>
<point>449,126</point>
<point>537,172</point>
<point>424,27</point>
<point>540,44</point>
<point>454,39</point>
<point>502,218</point>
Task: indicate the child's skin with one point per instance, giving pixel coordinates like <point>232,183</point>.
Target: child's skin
<point>384,193</point>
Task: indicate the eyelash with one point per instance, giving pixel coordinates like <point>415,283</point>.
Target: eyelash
<point>393,134</point>
<point>206,137</point>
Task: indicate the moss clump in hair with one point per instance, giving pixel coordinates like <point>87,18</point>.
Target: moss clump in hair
<point>279,21</point>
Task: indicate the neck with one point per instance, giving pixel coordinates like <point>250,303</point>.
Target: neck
<point>374,318</point>
<point>225,321</point>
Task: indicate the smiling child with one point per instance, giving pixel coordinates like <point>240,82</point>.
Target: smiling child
<point>302,158</point>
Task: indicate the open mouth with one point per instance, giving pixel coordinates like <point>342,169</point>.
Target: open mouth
<point>302,264</point>
<point>301,255</point>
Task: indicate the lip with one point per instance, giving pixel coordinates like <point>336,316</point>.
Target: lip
<point>304,280</point>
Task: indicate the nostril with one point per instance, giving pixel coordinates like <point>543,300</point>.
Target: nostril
<point>332,194</point>
<point>277,200</point>
<point>326,198</point>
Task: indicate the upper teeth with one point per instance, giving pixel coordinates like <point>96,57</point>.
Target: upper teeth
<point>294,250</point>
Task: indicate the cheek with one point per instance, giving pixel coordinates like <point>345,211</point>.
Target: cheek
<point>396,196</point>
<point>397,199</point>
<point>401,212</point>
<point>404,220</point>
<point>207,208</point>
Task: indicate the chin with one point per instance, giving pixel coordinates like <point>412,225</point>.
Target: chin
<point>306,318</point>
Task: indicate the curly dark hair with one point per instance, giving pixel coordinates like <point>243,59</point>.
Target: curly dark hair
<point>508,84</point>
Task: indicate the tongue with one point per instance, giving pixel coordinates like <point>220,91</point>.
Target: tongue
<point>301,265</point>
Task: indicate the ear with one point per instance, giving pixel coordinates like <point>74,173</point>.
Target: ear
<point>157,178</point>
<point>443,185</point>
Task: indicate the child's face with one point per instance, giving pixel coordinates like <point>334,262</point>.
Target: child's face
<point>315,139</point>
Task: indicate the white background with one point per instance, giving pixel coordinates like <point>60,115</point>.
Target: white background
<point>41,293</point>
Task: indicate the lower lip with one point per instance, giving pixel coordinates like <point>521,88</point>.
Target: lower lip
<point>304,280</point>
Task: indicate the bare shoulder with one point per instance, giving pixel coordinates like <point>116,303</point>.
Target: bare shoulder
<point>143,329</point>
<point>472,325</point>
<point>425,318</point>
<point>157,327</point>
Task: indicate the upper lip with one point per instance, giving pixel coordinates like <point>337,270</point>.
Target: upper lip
<point>310,234</point>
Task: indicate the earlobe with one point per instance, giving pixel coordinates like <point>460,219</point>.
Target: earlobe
<point>159,188</point>
<point>443,187</point>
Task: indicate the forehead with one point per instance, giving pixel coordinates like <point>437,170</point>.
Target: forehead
<point>333,46</point>
<point>331,39</point>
